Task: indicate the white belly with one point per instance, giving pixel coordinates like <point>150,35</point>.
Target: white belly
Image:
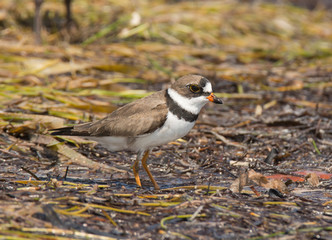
<point>113,144</point>
<point>172,129</point>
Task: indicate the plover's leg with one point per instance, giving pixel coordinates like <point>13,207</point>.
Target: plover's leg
<point>135,169</point>
<point>144,159</point>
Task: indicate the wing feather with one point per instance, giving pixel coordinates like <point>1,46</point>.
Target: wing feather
<point>139,117</point>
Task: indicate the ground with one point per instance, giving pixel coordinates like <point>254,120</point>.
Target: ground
<point>257,167</point>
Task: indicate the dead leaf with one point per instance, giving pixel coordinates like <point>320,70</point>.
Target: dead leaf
<point>33,120</point>
<point>240,182</point>
<point>258,178</point>
<point>278,185</point>
<point>312,179</point>
<point>74,156</point>
<point>258,110</point>
<point>263,181</point>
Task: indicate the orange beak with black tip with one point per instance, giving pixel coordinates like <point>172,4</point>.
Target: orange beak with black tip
<point>214,99</point>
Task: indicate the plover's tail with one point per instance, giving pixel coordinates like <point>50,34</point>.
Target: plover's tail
<point>68,131</point>
<point>77,130</point>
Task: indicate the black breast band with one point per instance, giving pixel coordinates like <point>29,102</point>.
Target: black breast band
<point>178,111</point>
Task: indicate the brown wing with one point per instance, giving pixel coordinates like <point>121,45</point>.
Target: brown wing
<point>142,116</point>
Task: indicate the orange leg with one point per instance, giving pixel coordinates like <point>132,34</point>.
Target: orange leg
<point>135,170</point>
<point>144,159</point>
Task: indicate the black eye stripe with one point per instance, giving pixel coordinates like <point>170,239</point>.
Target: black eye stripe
<point>203,82</point>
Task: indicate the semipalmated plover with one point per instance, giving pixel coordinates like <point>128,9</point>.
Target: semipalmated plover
<point>150,121</point>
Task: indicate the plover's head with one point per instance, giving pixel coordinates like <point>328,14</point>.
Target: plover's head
<point>192,92</point>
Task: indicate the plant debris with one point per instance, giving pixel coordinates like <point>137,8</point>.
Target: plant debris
<point>258,167</point>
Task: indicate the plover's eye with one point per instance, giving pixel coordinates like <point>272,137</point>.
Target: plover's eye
<point>194,88</point>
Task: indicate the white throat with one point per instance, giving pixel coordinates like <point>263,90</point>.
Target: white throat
<point>192,105</point>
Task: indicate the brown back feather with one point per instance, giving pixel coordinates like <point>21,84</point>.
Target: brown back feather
<point>139,117</point>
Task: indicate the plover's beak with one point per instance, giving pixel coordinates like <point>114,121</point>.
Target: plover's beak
<point>213,98</point>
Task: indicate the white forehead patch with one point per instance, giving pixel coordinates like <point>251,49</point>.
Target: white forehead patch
<point>207,88</point>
